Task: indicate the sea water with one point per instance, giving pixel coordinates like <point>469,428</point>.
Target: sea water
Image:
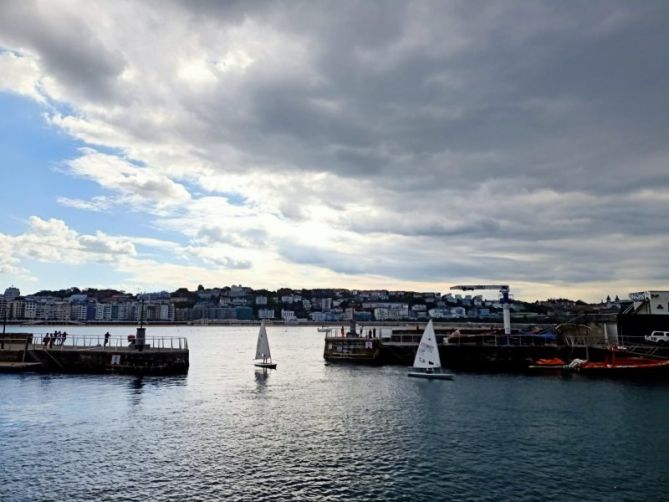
<point>315,431</point>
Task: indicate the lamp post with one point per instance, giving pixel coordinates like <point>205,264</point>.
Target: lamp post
<point>140,337</point>
<point>4,323</point>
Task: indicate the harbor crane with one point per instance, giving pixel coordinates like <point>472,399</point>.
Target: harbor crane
<point>504,291</point>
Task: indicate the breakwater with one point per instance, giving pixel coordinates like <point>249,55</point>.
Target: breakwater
<point>93,354</point>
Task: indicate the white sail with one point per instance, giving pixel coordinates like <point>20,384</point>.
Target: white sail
<point>262,347</point>
<point>427,355</point>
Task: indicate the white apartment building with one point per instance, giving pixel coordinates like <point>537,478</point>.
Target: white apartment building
<point>261,300</point>
<point>30,310</point>
<point>318,316</point>
<point>391,314</point>
<point>288,315</point>
<point>103,312</point>
<point>265,313</point>
<point>79,311</point>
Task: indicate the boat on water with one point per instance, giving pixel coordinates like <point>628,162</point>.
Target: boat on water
<point>619,361</point>
<point>263,358</point>
<point>427,363</point>
<point>551,363</point>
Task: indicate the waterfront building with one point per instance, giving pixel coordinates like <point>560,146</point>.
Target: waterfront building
<point>30,310</point>
<point>650,302</point>
<point>364,316</point>
<point>61,311</point>
<point>317,316</point>
<point>103,312</point>
<point>457,312</point>
<point>11,293</point>
<point>265,313</point>
<point>79,311</point>
<point>122,311</point>
<point>244,313</point>
<point>439,313</point>
<point>236,291</point>
<point>164,295</point>
<point>326,304</point>
<point>288,315</point>
<point>261,300</point>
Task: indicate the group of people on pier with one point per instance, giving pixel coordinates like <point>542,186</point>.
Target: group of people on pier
<point>56,338</point>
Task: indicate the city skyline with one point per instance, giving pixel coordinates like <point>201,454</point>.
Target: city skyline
<point>157,145</point>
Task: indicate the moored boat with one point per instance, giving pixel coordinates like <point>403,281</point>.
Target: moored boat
<point>619,361</point>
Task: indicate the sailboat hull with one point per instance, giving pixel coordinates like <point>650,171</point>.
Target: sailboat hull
<point>271,366</point>
<point>431,376</point>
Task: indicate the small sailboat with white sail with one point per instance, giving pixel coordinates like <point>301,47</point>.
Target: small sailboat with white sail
<point>427,363</point>
<point>263,357</point>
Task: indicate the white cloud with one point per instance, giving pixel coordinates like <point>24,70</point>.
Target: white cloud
<point>411,144</point>
<point>20,74</point>
<point>54,241</point>
<point>137,186</point>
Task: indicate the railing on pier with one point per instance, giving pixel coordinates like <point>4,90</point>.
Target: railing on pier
<point>49,341</point>
<point>487,339</point>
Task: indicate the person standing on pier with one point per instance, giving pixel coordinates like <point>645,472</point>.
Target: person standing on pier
<point>107,335</point>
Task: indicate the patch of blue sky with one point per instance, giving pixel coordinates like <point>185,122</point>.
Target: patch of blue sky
<point>29,151</point>
<point>32,154</point>
<point>236,199</point>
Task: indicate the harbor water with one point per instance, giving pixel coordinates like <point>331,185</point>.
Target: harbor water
<point>311,430</point>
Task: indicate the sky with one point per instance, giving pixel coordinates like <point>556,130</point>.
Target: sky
<point>311,144</point>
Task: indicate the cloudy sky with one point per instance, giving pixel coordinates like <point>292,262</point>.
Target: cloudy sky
<point>402,145</point>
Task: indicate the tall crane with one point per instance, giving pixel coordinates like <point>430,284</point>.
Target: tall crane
<point>504,291</point>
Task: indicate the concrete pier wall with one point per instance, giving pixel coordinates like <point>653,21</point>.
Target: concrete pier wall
<point>95,359</point>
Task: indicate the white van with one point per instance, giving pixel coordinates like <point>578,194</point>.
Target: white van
<point>660,337</point>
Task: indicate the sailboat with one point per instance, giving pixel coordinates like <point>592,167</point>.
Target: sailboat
<point>427,363</point>
<point>263,357</point>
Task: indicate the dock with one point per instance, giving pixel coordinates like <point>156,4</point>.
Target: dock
<point>93,354</point>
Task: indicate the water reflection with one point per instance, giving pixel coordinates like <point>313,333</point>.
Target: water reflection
<point>261,375</point>
<point>136,386</point>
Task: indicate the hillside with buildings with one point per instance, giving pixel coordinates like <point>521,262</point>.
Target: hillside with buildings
<point>242,304</point>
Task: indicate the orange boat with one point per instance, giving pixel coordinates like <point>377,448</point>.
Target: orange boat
<point>554,363</point>
<point>615,363</point>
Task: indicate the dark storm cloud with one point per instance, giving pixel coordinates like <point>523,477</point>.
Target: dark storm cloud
<point>572,88</point>
<point>67,45</point>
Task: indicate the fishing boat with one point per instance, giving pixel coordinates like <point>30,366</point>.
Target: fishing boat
<point>263,357</point>
<point>427,363</point>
